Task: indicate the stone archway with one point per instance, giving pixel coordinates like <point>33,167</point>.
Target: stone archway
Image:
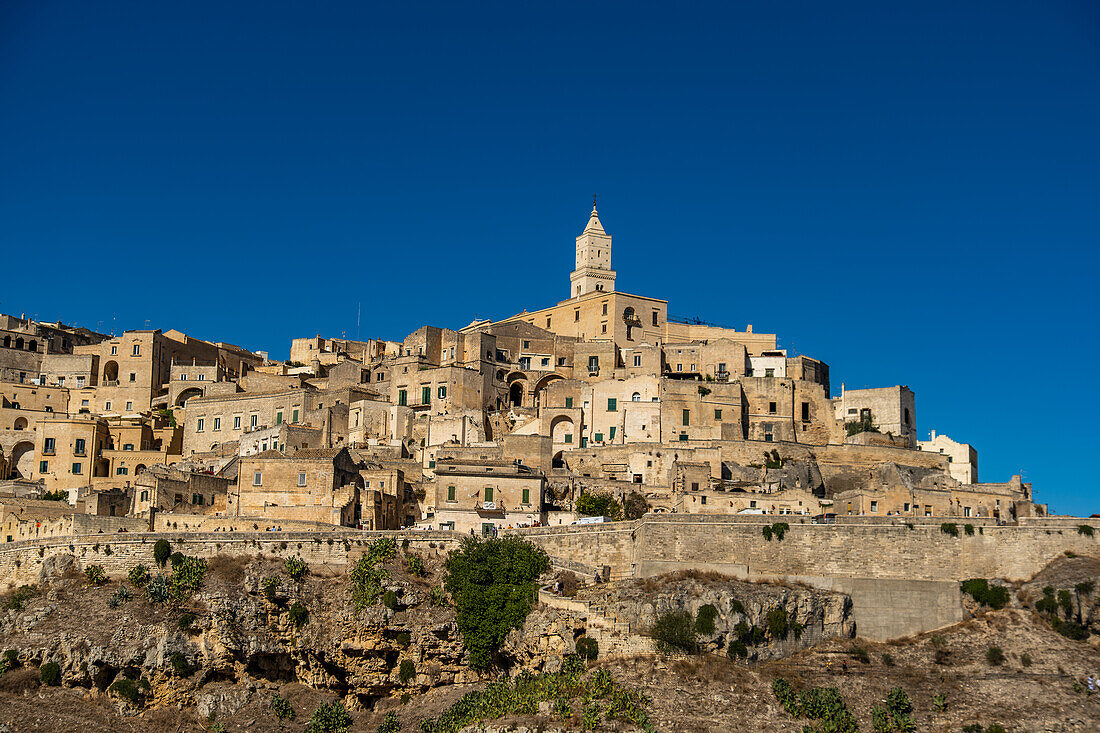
<point>110,372</point>
<point>21,463</point>
<point>515,393</point>
<point>560,427</point>
<point>20,423</point>
<point>542,384</point>
<point>187,394</point>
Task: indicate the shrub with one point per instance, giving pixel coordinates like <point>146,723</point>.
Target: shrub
<point>750,635</point>
<point>437,596</point>
<point>161,552</point>
<point>598,504</point>
<point>406,671</point>
<point>737,650</point>
<point>1065,600</point>
<point>995,655</point>
<point>880,720</point>
<point>298,615</point>
<point>766,530</point>
<point>995,728</point>
<point>270,586</point>
<point>1025,660</point>
<point>95,575</point>
<point>415,563</point>
<point>569,583</point>
<point>736,606</point>
<point>187,575</point>
<point>281,707</point>
<point>778,625</point>
<point>186,621</point>
<point>295,567</point>
<point>329,717</point>
<point>888,660</point>
<point>157,590</point>
<point>180,665</point>
<point>138,575</point>
<point>994,596</point>
<point>635,506</point>
<point>858,652</point>
<point>1085,529</point>
<point>939,702</point>
<point>405,544</point>
<point>119,597</point>
<point>130,690</point>
<point>59,495</point>
<point>369,573</point>
<point>969,529</point>
<point>10,659</point>
<point>779,529</point>
<point>389,600</point>
<point>972,728</point>
<point>588,648</point>
<point>950,528</point>
<point>50,674</point>
<point>704,620</point>
<point>674,632</point>
<point>390,723</point>
<point>898,702</point>
<point>817,703</point>
<point>492,585</point>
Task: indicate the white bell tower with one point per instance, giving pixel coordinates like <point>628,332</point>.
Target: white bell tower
<point>593,272</point>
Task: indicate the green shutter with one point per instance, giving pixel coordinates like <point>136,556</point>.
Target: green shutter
<point>611,434</point>
<point>569,438</point>
<point>568,403</point>
<point>527,496</point>
<point>425,395</point>
<point>402,397</point>
<point>687,417</point>
<point>488,493</point>
<point>295,417</point>
<point>599,437</point>
<point>278,418</point>
<point>612,404</point>
<point>450,493</point>
<point>717,414</point>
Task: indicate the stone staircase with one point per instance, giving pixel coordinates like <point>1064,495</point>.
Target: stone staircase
<point>615,636</point>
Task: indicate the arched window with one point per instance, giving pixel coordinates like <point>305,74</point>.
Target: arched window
<point>636,397</point>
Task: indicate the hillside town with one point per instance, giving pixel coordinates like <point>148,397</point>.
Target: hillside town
<point>599,404</point>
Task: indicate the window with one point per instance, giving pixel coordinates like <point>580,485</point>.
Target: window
<point>236,422</point>
<point>612,404</point>
<point>605,309</point>
<point>603,328</point>
<point>874,507</point>
<point>721,367</point>
<point>217,423</point>
<point>80,447</point>
<point>61,381</point>
<point>431,463</point>
<point>43,466</point>
<point>576,316</point>
<point>568,403</point>
<point>78,468</point>
<point>257,479</point>
<point>527,496</point>
<point>183,377</point>
<point>611,433</point>
<point>84,403</point>
<point>294,417</point>
<point>450,493</point>
<point>865,414</point>
<point>121,471</point>
<point>442,392</point>
<point>488,493</point>
<point>692,367</point>
<point>805,412</point>
<point>768,436</point>
<point>253,420</point>
<point>133,377</point>
<point>301,478</point>
<point>202,377</point>
<point>637,360</point>
<point>687,417</point>
<point>703,500</point>
<point>402,397</point>
<point>525,362</point>
<point>200,424</point>
<point>593,362</point>
<point>568,437</point>
<point>145,496</point>
<point>129,406</point>
<point>636,397</point>
<point>655,317</point>
<point>425,395</point>
<point>137,349</point>
<point>717,414</point>
<point>48,446</point>
<point>599,437</point>
<point>114,351</point>
<point>906,506</point>
<point>546,361</point>
<point>279,417</point>
<point>966,511</point>
<point>107,405</point>
<point>526,345</point>
<point>683,436</point>
<point>679,367</point>
<point>196,499</point>
<point>127,446</point>
<point>771,408</point>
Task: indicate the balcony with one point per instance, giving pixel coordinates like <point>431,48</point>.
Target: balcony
<point>111,383</point>
<point>632,320</point>
<point>722,376</point>
<point>593,369</point>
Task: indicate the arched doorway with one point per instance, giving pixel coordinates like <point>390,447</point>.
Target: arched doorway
<point>21,464</point>
<point>20,423</point>
<point>187,394</point>
<point>559,460</point>
<point>139,469</point>
<point>562,430</point>
<point>515,393</point>
<point>542,384</point>
<point>110,372</point>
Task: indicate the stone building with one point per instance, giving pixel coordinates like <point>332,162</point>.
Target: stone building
<point>962,457</point>
<point>315,485</point>
<point>487,495</point>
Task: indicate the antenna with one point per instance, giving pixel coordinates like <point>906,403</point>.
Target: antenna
<point>358,312</point>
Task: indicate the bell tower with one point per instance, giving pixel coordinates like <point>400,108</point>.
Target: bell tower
<point>593,272</point>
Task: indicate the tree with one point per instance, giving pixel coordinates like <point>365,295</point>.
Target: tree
<point>161,551</point>
<point>635,506</point>
<point>492,583</point>
<point>599,505</point>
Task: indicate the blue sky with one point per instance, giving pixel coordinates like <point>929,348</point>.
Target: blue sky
<point>909,191</point>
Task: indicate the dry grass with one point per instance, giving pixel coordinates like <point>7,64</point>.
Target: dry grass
<point>19,679</point>
<point>228,568</point>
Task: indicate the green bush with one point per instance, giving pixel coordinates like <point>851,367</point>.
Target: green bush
<point>20,596</point>
<point>329,717</point>
<point>281,707</point>
<point>859,653</point>
<point>389,600</point>
<point>950,528</point>
<point>939,702</point>
<point>493,586</point>
<point>995,728</point>
<point>880,720</point>
<point>95,575</point>
<point>588,648</point>
<point>778,625</point>
<point>132,691</point>
<point>296,567</point>
<point>1065,600</point>
<point>403,639</point>
<point>415,563</point>
<point>635,506</point>
<point>779,529</point>
<point>737,650</point>
<point>674,632</point>
<point>298,615</point>
<point>59,495</point>
<point>704,620</point>
<point>994,596</point>
<point>406,671</point>
<point>181,665</point>
<point>995,655</point>
<point>158,590</point>
<point>599,505</point>
<point>161,551</point>
<point>888,660</point>
<point>10,660</point>
<point>749,635</point>
<point>969,529</point>
<point>270,586</point>
<point>188,574</point>
<point>736,606</point>
<point>390,724</point>
<point>50,674</point>
<point>369,573</point>
<point>766,530</point>
<point>1025,660</point>
<point>138,575</point>
<point>1085,529</point>
<point>898,702</point>
<point>119,597</point>
<point>437,596</point>
<point>186,621</point>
